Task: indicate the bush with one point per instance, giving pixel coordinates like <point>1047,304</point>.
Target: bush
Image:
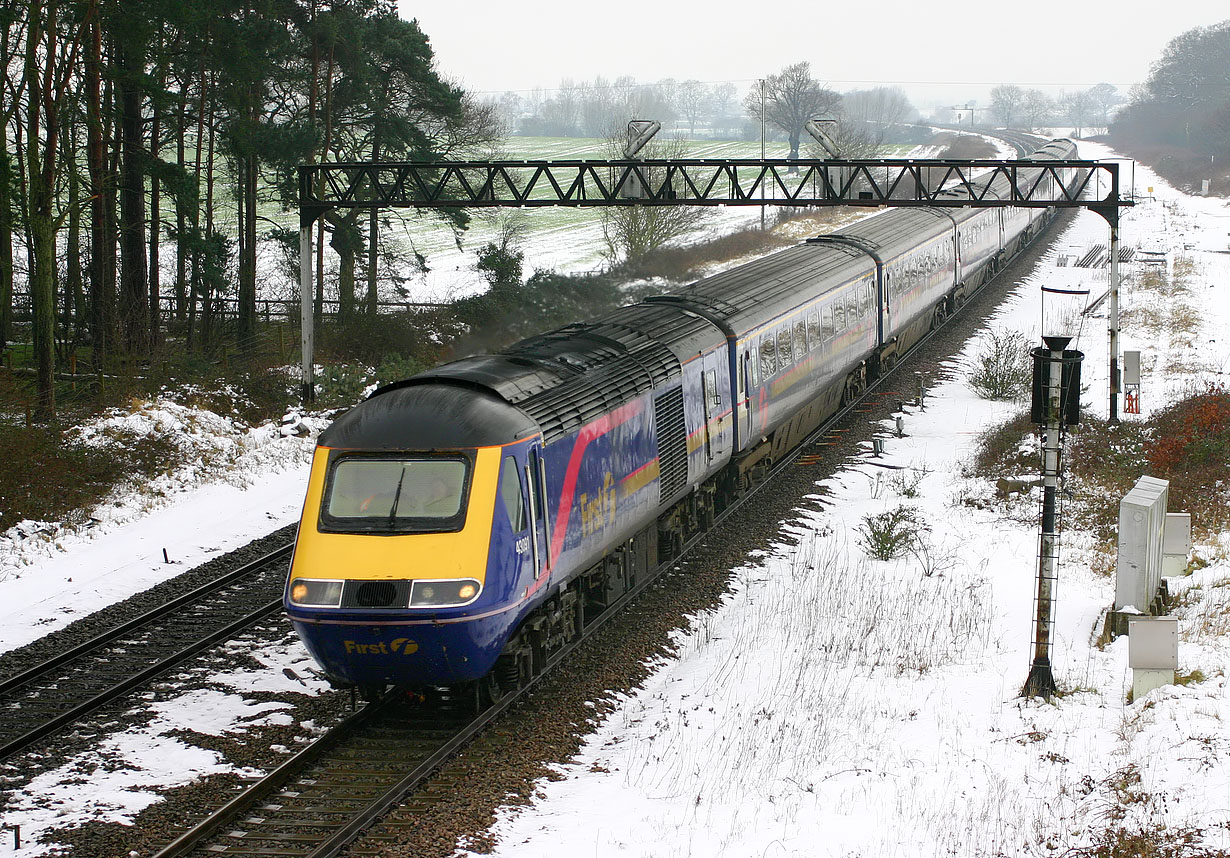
<point>891,534</point>
<point>368,339</point>
<point>341,385</point>
<point>1193,434</point>
<point>395,367</point>
<point>1003,370</point>
<point>513,311</point>
<point>1187,444</point>
<point>46,475</point>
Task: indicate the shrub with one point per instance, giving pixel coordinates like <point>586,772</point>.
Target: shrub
<point>341,385</point>
<point>367,339</point>
<point>1192,434</point>
<point>394,367</point>
<point>1003,369</point>
<point>891,534</point>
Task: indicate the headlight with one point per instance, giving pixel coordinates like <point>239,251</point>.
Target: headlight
<point>316,593</point>
<point>439,594</point>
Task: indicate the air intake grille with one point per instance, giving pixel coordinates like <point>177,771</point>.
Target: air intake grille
<point>672,443</point>
<point>376,594</point>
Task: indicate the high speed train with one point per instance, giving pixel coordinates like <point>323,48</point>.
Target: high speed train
<point>463,523</point>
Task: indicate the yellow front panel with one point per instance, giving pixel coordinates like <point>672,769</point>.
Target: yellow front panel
<point>414,555</point>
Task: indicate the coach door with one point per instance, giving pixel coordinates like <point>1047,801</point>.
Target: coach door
<point>711,392</point>
<point>540,515</point>
<point>745,385</point>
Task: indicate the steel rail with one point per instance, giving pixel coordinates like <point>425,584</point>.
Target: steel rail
<point>134,680</point>
<point>265,787</point>
<point>11,682</point>
<point>347,831</point>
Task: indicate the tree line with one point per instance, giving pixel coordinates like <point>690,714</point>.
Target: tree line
<point>597,108</point>
<point>594,108</point>
<point>1183,108</point>
<point>137,128</point>
<point>1018,107</point>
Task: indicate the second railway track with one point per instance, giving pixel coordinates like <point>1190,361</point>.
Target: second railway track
<point>63,690</point>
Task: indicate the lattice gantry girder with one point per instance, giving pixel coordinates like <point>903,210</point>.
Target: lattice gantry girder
<point>711,182</point>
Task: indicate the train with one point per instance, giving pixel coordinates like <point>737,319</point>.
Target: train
<point>461,525</point>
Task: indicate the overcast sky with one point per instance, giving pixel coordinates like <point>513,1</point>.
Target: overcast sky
<point>948,50</point>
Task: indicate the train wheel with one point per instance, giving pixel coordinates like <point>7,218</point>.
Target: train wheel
<point>490,690</point>
<point>938,317</point>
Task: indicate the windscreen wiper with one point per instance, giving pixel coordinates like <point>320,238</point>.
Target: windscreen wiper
<point>396,497</point>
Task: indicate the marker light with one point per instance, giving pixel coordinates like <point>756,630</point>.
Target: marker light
<point>443,594</point>
<point>315,593</point>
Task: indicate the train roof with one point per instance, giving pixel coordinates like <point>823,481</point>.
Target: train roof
<point>749,295</point>
<point>892,232</point>
<point>445,418</point>
<point>565,378</point>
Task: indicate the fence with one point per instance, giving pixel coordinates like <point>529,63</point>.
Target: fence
<point>227,309</point>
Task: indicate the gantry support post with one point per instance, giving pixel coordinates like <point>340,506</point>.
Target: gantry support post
<point>1114,321</point>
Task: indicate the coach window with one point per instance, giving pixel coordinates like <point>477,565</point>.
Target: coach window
<point>753,367</point>
<point>510,494</point>
<point>768,355</point>
<point>826,323</point>
<point>839,315</point>
<point>800,338</point>
<point>866,299</point>
<point>784,357</point>
<point>813,329</point>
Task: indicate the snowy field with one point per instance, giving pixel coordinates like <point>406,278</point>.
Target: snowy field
<point>834,704</point>
<point>838,705</point>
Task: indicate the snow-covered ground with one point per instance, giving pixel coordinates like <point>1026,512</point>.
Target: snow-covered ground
<point>838,705</point>
<point>834,705</point>
<point>238,483</point>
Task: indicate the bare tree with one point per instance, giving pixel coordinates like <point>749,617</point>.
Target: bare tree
<point>791,97</point>
<point>1103,98</point>
<point>693,97</point>
<point>880,110</point>
<point>1075,106</point>
<point>1006,100</point>
<point>597,107</point>
<point>631,232</point>
<point>722,105</point>
<point>1035,107</point>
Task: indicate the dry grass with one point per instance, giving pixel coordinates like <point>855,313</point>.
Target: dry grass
<point>45,477</point>
<point>1187,444</point>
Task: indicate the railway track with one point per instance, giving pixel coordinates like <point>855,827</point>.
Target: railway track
<point>65,690</point>
<point>319,802</point>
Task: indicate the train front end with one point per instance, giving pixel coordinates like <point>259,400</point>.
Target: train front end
<point>407,570</point>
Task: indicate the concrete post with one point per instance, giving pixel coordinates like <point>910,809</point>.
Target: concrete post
<point>306,317</point>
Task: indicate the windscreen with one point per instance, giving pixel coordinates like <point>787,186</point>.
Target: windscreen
<point>398,493</point>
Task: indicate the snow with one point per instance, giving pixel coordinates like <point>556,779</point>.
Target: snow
<point>833,704</point>
<point>121,777</point>
<point>238,483</point>
<point>880,715</point>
